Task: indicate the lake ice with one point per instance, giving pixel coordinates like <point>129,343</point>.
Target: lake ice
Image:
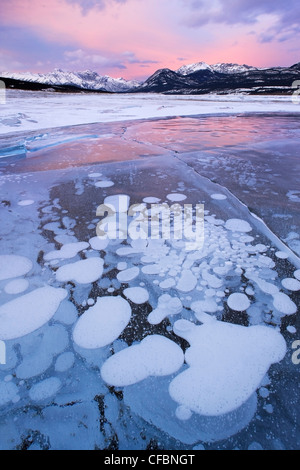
<point>141,341</point>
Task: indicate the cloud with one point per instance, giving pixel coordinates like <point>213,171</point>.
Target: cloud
<point>131,58</point>
<point>88,5</point>
<point>231,12</point>
<point>79,57</point>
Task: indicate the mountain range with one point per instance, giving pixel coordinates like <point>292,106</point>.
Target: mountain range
<point>198,78</point>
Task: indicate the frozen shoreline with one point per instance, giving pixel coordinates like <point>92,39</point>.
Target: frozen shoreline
<point>32,111</point>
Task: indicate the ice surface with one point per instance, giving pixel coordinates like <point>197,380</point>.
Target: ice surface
<point>102,323</point>
<point>29,312</point>
<point>165,286</point>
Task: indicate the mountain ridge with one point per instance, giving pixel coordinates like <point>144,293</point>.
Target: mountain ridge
<point>198,78</point>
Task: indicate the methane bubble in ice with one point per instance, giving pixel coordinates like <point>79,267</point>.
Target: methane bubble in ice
<point>12,266</point>
<point>154,356</point>
<point>82,272</point>
<point>29,312</point>
<point>226,362</point>
<point>238,302</point>
<point>238,225</point>
<point>103,323</point>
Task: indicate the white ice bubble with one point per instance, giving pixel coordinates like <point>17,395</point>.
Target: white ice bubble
<point>95,175</point>
<point>219,197</point>
<point>176,197</point>
<point>238,225</point>
<point>297,274</point>
<point>17,286</point>
<point>137,295</point>
<point>29,312</point>
<point>187,281</point>
<point>27,202</point>
<point>238,302</point>
<point>183,413</point>
<point>281,255</point>
<point>82,272</point>
<point>68,251</point>
<point>154,356</point>
<point>103,323</point>
<point>291,284</point>
<point>284,304</point>
<point>12,266</point>
<point>151,200</point>
<point>128,274</point>
<point>45,389</point>
<point>98,244</point>
<point>64,362</point>
<point>167,306</point>
<point>104,184</point>
<point>8,393</point>
<point>227,364</point>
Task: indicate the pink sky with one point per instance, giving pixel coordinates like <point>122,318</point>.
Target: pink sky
<point>133,38</point>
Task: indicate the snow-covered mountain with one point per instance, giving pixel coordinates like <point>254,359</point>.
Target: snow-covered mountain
<point>87,80</point>
<point>220,68</point>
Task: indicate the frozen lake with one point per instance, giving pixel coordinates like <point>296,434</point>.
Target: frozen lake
<point>132,343</point>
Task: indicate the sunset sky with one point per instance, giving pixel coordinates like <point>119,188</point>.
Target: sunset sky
<point>133,38</point>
